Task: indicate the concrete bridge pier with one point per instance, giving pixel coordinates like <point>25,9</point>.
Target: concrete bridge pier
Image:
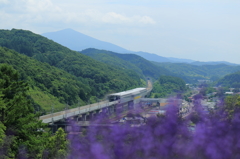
<point>79,118</point>
<point>114,108</point>
<point>130,105</point>
<point>122,108</point>
<point>111,109</point>
<point>119,108</point>
<point>125,107</point>
<point>88,117</point>
<point>75,118</point>
<point>82,117</point>
<point>98,112</point>
<point>105,110</point>
<point>92,115</point>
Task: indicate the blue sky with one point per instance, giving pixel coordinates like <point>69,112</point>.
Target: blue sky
<point>204,30</point>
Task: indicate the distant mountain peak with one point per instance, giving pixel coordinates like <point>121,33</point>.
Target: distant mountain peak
<point>63,30</point>
<point>77,41</point>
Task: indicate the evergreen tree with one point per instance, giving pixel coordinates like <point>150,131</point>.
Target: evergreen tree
<point>18,117</point>
<point>57,145</point>
<point>2,127</point>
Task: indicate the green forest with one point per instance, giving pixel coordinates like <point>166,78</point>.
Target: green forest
<point>59,76</point>
<point>22,135</point>
<point>110,58</point>
<point>166,85</point>
<point>230,80</point>
<point>130,61</point>
<point>194,72</point>
<point>38,75</point>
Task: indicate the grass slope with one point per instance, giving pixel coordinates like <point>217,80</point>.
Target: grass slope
<point>98,78</point>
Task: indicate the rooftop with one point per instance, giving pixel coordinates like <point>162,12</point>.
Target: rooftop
<point>132,91</point>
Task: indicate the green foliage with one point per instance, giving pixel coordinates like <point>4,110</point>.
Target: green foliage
<point>2,127</point>
<point>2,133</point>
<point>43,100</point>
<point>232,104</point>
<point>74,77</point>
<point>128,62</point>
<point>22,126</point>
<point>57,145</point>
<point>231,80</point>
<point>210,90</point>
<point>194,73</point>
<point>207,90</point>
<point>22,135</point>
<point>48,85</point>
<point>166,85</point>
<point>187,94</point>
<point>111,59</point>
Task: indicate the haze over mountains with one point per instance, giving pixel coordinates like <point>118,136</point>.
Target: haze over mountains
<point>78,41</point>
<point>57,75</point>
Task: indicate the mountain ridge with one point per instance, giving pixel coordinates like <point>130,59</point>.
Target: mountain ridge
<point>77,41</point>
<point>131,61</point>
<point>95,78</point>
<point>212,72</point>
<point>74,43</point>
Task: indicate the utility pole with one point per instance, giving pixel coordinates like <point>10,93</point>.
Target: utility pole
<point>52,117</point>
<point>78,107</point>
<point>89,105</point>
<point>66,110</point>
<point>52,111</point>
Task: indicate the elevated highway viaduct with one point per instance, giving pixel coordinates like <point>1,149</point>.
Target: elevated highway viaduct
<point>116,103</point>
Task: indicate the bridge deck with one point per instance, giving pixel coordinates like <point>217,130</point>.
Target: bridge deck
<point>81,110</point>
<point>75,111</point>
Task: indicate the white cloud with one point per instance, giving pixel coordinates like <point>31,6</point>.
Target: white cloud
<point>4,1</point>
<point>144,25</point>
<point>147,20</point>
<point>45,11</point>
<point>113,17</point>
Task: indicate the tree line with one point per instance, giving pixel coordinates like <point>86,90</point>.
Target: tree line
<point>166,85</point>
<point>22,135</point>
<point>60,74</point>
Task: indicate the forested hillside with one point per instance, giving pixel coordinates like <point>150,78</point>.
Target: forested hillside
<point>212,72</point>
<point>231,80</point>
<point>48,85</point>
<point>22,135</point>
<point>129,61</point>
<point>89,78</point>
<point>110,58</point>
<point>165,85</point>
